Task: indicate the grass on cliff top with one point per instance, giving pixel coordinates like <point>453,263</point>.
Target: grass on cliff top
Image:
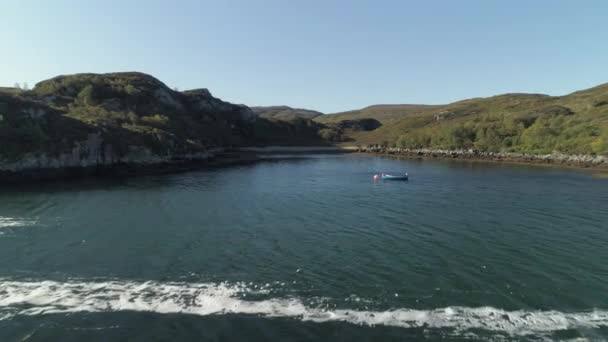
<point>128,83</point>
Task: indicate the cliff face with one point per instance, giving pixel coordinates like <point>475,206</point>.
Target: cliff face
<point>92,120</point>
<point>94,152</point>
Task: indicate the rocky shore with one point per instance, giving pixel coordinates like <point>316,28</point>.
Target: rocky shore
<point>556,158</point>
<point>36,169</point>
<point>79,165</point>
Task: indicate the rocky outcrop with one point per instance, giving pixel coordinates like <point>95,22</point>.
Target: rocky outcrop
<point>104,121</point>
<point>93,152</point>
<point>163,95</point>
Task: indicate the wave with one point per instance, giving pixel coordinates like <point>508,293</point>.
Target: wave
<point>50,297</point>
<point>9,222</point>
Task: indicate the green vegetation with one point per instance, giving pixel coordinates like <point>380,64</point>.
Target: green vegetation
<point>530,123</point>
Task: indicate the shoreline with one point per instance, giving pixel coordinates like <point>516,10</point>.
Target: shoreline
<point>599,164</point>
<point>125,170</point>
<point>228,157</point>
<point>250,155</point>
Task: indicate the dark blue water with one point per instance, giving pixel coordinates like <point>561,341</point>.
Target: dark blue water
<point>309,248</point>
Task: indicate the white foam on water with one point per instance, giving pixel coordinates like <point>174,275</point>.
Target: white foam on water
<point>48,297</point>
<point>10,222</point>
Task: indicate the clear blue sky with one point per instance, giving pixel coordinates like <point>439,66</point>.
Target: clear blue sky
<point>318,54</point>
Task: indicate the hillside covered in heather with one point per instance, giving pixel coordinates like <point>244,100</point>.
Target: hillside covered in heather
<point>528,123</point>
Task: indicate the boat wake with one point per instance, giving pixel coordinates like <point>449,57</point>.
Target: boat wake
<point>10,222</point>
<point>50,297</point>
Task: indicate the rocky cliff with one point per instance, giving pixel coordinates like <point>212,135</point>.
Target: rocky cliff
<point>103,120</point>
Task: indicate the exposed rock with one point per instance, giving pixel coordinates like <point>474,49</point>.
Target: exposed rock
<point>553,158</point>
<point>94,152</point>
<point>164,96</point>
<point>246,114</point>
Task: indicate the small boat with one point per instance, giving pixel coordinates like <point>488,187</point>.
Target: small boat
<point>386,176</point>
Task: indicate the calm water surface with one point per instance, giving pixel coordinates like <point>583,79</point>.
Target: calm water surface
<point>309,248</point>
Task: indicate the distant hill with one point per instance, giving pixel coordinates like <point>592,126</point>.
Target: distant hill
<point>532,123</point>
<point>386,114</point>
<point>285,113</point>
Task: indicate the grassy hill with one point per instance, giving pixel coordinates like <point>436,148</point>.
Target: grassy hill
<point>130,112</point>
<point>532,123</point>
<point>127,109</point>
